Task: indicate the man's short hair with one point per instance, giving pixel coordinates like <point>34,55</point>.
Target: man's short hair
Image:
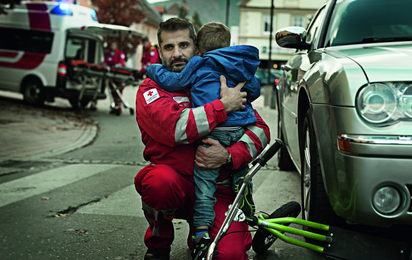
<point>145,39</point>
<point>212,36</point>
<point>176,24</point>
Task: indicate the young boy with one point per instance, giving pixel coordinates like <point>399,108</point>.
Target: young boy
<point>237,64</point>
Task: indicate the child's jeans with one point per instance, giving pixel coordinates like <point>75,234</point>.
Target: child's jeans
<point>205,179</point>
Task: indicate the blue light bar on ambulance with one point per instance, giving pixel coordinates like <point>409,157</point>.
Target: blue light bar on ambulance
<point>94,15</point>
<point>62,9</point>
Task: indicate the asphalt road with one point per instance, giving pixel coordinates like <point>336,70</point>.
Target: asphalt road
<point>83,205</point>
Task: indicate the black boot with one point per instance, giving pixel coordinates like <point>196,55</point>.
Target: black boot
<point>158,254</point>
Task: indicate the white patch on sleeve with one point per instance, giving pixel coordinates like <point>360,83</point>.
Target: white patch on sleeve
<point>151,95</point>
<point>181,99</point>
<point>122,56</point>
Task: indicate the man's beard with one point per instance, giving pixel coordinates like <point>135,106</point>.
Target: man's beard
<point>170,67</point>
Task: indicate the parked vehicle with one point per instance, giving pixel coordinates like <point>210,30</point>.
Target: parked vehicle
<point>345,112</point>
<point>38,42</point>
<point>262,75</point>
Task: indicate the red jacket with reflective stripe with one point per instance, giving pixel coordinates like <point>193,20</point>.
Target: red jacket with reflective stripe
<point>170,127</point>
<point>150,56</point>
<point>116,58</point>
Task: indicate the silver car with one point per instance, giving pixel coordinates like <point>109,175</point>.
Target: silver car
<point>345,112</point>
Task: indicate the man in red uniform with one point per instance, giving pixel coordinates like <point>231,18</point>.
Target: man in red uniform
<point>115,58</point>
<point>150,55</point>
<point>170,128</point>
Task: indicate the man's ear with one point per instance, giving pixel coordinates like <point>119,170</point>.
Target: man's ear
<point>197,53</point>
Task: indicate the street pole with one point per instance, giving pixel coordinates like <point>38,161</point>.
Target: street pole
<point>272,7</point>
<point>227,12</point>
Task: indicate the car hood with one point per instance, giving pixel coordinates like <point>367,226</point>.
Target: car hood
<point>383,62</point>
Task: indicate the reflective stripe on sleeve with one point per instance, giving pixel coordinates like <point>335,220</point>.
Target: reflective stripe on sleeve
<point>250,144</point>
<point>181,124</point>
<point>202,124</point>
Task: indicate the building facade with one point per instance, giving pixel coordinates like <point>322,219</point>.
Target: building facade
<point>255,19</point>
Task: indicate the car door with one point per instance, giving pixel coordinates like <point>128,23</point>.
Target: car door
<point>293,83</point>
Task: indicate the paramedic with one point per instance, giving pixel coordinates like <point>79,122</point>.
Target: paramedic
<point>115,58</point>
<point>150,55</point>
<point>169,129</point>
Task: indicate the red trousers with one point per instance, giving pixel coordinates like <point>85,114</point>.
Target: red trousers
<point>167,195</point>
<point>120,86</point>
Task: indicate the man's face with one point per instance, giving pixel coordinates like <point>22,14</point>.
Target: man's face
<point>176,49</point>
<point>113,46</point>
<point>145,44</point>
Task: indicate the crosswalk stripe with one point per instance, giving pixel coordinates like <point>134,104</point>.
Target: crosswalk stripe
<point>45,181</point>
<point>125,202</point>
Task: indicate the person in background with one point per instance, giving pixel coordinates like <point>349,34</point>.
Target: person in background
<point>150,55</point>
<point>201,75</point>
<point>115,58</point>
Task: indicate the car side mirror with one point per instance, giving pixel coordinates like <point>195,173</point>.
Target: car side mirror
<point>292,37</point>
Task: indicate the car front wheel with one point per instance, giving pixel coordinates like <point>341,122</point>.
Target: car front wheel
<point>285,163</point>
<point>315,203</point>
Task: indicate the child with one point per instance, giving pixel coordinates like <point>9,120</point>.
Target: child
<point>237,64</point>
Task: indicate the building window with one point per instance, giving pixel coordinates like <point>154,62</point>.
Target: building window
<point>266,24</point>
<point>298,21</point>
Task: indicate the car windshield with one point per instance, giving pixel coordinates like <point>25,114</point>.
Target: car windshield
<point>369,21</point>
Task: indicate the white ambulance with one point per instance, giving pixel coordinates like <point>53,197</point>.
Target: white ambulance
<point>37,44</point>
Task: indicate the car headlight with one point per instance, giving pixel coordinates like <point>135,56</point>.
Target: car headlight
<point>382,103</point>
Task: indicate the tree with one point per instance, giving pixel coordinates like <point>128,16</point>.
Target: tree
<point>196,21</point>
<point>183,11</point>
<point>11,4</point>
<point>120,12</point>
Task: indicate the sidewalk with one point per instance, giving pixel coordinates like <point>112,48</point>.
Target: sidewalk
<point>28,132</point>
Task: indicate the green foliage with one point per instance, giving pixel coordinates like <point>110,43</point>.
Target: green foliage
<point>196,21</point>
<point>183,13</point>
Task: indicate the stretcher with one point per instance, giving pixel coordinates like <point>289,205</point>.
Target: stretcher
<point>94,74</point>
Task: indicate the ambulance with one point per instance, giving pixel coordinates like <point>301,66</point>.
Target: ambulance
<point>37,44</point>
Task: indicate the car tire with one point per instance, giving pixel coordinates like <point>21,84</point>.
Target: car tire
<point>315,203</point>
<point>285,163</point>
<point>34,92</point>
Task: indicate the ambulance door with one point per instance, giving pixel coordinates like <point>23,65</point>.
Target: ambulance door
<point>88,47</point>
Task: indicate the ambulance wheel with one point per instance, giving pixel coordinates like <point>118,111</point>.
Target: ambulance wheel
<point>33,92</point>
<point>131,111</point>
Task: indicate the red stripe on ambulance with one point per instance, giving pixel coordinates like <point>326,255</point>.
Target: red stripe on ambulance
<point>8,54</point>
<point>38,16</point>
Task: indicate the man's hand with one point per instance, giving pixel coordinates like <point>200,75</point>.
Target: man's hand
<point>212,157</point>
<point>232,98</point>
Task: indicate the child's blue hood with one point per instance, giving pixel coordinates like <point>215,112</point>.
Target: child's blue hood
<point>239,62</point>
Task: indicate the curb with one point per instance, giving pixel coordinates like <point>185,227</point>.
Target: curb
<point>88,136</point>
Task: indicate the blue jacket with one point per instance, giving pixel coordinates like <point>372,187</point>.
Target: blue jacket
<point>237,63</point>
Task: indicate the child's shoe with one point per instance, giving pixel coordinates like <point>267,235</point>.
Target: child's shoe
<point>201,246</point>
